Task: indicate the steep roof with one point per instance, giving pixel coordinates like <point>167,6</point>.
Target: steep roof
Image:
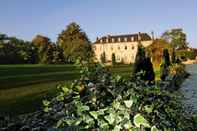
<point>128,37</point>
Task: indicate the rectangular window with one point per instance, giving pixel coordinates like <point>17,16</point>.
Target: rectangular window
<point>111,47</point>
<point>119,40</point>
<point>107,40</point>
<point>132,38</point>
<point>118,47</point>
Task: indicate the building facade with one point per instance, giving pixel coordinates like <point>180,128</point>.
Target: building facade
<point>124,47</point>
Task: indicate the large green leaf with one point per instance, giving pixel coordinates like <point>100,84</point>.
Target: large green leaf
<point>116,104</point>
<point>140,120</point>
<point>154,128</point>
<point>117,128</point>
<point>46,103</point>
<point>94,114</point>
<point>128,103</point>
<point>110,118</point>
<point>148,108</point>
<point>85,108</point>
<point>127,125</point>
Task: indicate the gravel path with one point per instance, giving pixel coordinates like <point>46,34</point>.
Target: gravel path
<point>189,89</point>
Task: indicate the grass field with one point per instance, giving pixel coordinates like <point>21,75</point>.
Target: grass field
<point>23,87</point>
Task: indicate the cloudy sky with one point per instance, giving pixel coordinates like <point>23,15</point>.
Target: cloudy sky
<point>26,18</point>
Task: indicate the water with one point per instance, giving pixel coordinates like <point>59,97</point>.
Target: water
<point>189,89</point>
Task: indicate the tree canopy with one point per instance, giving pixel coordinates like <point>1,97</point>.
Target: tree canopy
<point>176,37</point>
<point>75,43</point>
<point>48,52</point>
<point>40,50</point>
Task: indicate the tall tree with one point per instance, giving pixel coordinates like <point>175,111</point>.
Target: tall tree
<point>164,67</point>
<point>43,45</point>
<point>3,37</point>
<point>143,65</point>
<point>176,37</point>
<point>75,43</point>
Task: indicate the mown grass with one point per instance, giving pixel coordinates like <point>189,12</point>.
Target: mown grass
<point>22,75</point>
<point>123,70</point>
<point>23,87</point>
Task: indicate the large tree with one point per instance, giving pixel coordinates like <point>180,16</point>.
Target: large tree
<point>75,43</point>
<point>42,43</point>
<point>176,37</point>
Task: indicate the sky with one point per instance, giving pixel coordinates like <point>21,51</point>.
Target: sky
<point>27,18</point>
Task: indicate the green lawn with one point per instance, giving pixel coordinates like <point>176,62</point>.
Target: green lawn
<point>22,75</point>
<point>23,87</point>
<point>123,70</point>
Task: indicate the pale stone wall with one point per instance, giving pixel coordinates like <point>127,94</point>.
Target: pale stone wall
<point>124,51</point>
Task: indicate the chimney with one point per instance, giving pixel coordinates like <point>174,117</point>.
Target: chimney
<point>107,38</point>
<point>152,35</point>
<point>139,36</point>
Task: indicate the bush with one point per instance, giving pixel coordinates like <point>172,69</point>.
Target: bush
<point>184,54</point>
<point>113,59</point>
<point>166,57</point>
<point>177,74</point>
<point>143,64</point>
<point>173,59</point>
<point>149,71</point>
<point>103,58</point>
<point>101,101</point>
<point>164,67</point>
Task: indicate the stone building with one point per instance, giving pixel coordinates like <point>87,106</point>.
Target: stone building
<point>123,46</point>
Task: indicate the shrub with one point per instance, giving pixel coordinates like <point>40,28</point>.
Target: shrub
<point>177,74</point>
<point>173,58</point>
<point>184,54</point>
<point>113,59</point>
<point>139,60</point>
<point>143,64</point>
<point>103,57</point>
<point>164,70</point>
<point>149,71</point>
<point>101,101</point>
<point>166,57</point>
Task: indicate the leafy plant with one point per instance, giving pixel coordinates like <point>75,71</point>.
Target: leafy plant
<point>100,100</point>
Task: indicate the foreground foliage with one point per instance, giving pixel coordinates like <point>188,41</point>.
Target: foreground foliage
<point>99,100</point>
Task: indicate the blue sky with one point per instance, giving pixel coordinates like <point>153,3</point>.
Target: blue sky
<point>26,18</point>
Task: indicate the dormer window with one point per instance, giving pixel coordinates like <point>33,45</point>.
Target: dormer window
<point>119,40</point>
<point>132,38</point>
<point>125,39</point>
<point>113,40</point>
<point>107,40</point>
<point>101,40</point>
<point>111,47</point>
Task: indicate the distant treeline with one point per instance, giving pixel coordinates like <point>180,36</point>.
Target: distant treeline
<point>71,44</point>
